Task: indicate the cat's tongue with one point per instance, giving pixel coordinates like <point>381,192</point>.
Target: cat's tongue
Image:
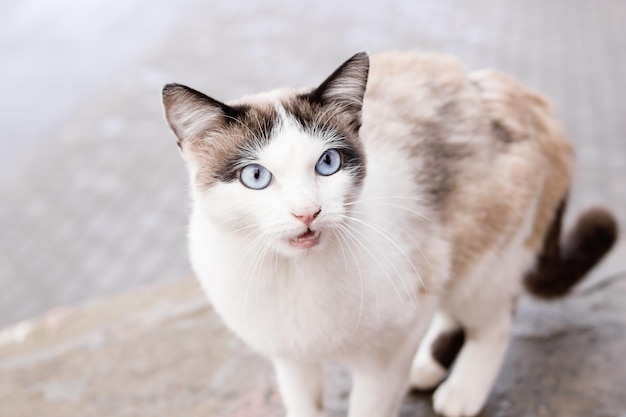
<point>306,240</point>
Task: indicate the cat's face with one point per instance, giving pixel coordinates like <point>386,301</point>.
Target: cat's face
<point>279,168</point>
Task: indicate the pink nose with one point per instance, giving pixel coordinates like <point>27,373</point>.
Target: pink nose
<point>307,216</point>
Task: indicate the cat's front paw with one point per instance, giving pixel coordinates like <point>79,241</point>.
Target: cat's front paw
<point>459,400</point>
<point>426,373</point>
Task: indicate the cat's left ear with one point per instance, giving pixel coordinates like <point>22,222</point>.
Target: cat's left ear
<point>345,88</point>
<point>191,114</point>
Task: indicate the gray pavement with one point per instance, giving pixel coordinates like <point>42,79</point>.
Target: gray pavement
<point>163,351</point>
<point>93,194</point>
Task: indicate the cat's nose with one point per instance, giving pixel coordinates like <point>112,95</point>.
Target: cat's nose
<point>307,216</point>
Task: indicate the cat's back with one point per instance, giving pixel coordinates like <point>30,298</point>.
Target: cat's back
<point>488,151</point>
<point>412,97</point>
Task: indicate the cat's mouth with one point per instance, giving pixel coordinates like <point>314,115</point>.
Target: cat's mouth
<point>306,240</point>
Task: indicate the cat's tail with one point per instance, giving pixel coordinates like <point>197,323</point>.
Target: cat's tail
<point>564,261</point>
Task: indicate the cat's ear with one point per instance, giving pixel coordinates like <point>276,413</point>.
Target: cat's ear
<point>345,87</point>
<point>191,113</point>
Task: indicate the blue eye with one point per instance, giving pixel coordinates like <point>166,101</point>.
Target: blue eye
<point>255,176</point>
<point>329,163</point>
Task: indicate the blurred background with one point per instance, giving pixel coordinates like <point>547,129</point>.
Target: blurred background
<point>93,192</point>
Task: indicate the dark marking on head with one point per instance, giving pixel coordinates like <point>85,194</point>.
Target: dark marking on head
<point>216,135</point>
<point>219,136</point>
<point>237,139</point>
<point>319,119</point>
<point>334,108</point>
<point>250,131</point>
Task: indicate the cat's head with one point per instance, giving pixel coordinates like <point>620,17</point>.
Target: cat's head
<point>279,167</point>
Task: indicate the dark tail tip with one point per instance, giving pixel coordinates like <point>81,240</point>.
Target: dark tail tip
<point>584,246</point>
<point>591,238</point>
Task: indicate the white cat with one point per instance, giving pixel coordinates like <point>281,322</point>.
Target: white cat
<point>332,224</point>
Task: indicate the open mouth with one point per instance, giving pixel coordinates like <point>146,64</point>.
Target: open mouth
<point>306,240</point>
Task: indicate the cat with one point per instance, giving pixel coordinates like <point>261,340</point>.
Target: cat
<point>396,206</point>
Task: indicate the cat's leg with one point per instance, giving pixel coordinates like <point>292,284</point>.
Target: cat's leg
<point>301,388</point>
<point>379,382</point>
<point>465,391</point>
<point>378,389</point>
<point>428,370</point>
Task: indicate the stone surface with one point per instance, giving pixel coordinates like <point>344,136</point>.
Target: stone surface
<point>162,351</point>
<point>93,193</point>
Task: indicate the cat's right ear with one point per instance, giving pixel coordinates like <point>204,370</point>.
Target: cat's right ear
<point>190,113</point>
<point>345,88</point>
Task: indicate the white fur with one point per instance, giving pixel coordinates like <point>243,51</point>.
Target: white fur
<point>356,297</point>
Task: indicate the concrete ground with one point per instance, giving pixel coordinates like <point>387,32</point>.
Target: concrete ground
<point>162,351</point>
<point>94,196</point>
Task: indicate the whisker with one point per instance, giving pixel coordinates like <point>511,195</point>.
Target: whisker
<point>356,262</point>
<point>261,266</point>
<point>397,246</point>
<point>250,247</point>
<point>377,262</point>
<point>398,228</point>
<point>276,261</point>
<point>353,239</point>
<point>387,197</point>
<point>250,226</point>
<point>249,277</point>
<point>389,205</point>
<point>267,226</point>
<point>406,288</point>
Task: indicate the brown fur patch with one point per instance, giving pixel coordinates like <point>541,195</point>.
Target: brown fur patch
<point>485,215</point>
<point>218,151</point>
<point>424,105</point>
<point>214,134</point>
<point>528,157</point>
<point>526,116</point>
<point>479,153</point>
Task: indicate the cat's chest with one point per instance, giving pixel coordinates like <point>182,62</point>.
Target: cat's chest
<point>314,308</point>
